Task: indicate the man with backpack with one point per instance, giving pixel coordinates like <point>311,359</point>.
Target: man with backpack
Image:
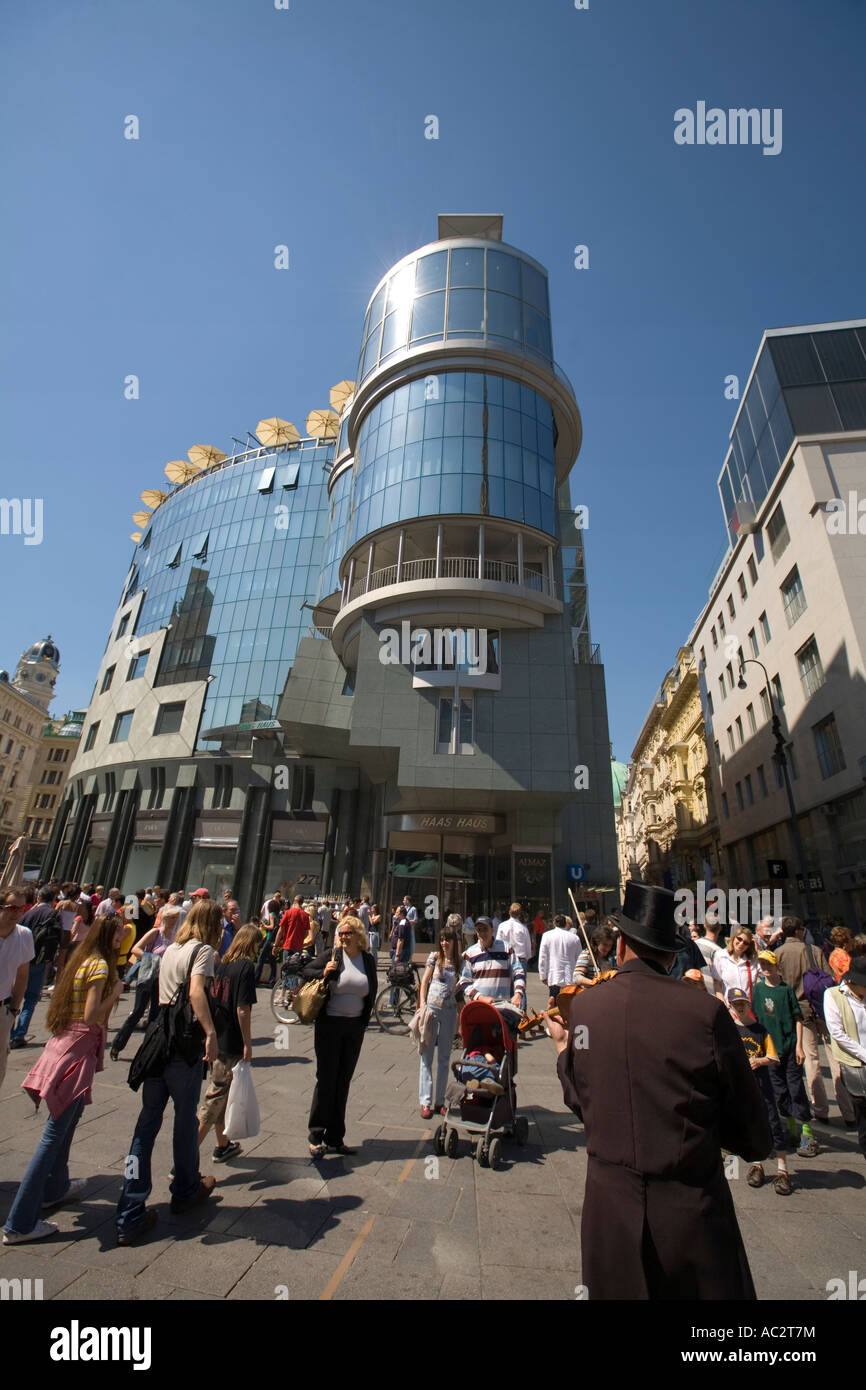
<point>802,967</point>
<point>49,940</point>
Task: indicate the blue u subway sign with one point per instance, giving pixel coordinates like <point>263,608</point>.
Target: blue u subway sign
<point>576,873</point>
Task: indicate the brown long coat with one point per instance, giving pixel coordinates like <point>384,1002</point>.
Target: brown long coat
<point>662,1083</point>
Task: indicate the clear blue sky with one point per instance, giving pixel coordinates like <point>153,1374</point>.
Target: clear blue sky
<point>306,127</point>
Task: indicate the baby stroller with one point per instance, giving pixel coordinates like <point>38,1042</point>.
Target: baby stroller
<point>482,1099</point>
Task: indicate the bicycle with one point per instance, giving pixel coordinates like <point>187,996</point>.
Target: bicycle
<point>287,986</point>
<point>395,1016</point>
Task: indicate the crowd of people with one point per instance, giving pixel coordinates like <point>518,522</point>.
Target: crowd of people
<point>194,967</point>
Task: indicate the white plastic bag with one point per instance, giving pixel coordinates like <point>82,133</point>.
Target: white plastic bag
<point>242,1111</point>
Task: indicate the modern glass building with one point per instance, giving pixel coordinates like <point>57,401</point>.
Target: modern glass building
<point>245,729</point>
<point>805,382</point>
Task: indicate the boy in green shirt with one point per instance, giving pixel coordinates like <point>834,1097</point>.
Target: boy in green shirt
<point>775,1005</point>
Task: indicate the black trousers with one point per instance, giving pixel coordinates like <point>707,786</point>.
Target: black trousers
<point>338,1046</point>
<point>859,1104</point>
<point>788,1087</point>
<point>146,997</point>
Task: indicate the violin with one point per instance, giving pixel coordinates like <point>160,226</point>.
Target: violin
<point>533,1025</point>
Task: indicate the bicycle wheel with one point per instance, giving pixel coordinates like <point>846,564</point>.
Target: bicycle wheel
<point>280,993</point>
<point>395,1017</point>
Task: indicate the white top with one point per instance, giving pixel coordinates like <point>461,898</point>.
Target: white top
<point>350,989</point>
<point>516,936</point>
<point>175,964</point>
<point>557,956</point>
<point>15,949</point>
<point>833,1019</point>
<point>741,974</point>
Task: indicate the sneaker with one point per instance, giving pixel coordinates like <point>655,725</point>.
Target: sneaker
<point>39,1232</point>
<point>130,1237</point>
<point>755,1177</point>
<point>17,1042</point>
<point>809,1148</point>
<point>206,1187</point>
<point>73,1191</point>
<point>220,1154</point>
<point>783,1186</point>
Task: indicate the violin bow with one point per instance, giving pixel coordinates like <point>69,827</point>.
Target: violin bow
<point>581,924</point>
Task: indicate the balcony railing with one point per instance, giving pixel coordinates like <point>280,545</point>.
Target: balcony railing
<point>454,567</point>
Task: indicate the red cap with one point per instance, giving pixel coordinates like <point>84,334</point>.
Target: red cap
<point>200,893</point>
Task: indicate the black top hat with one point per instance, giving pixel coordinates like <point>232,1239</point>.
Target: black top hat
<point>648,917</point>
<point>856,973</point>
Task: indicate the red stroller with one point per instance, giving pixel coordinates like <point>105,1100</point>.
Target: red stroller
<point>487,1114</point>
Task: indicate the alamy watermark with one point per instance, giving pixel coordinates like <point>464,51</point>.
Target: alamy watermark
<point>22,516</point>
<point>846,518</point>
<point>736,126</point>
<point>443,647</point>
<point>740,905</point>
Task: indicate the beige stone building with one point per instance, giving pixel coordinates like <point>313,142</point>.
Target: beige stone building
<point>53,758</point>
<point>666,826</point>
<point>24,701</point>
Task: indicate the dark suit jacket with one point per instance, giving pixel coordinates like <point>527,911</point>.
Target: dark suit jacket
<point>662,1083</point>
<point>316,969</point>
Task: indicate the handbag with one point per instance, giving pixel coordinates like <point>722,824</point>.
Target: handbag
<point>400,974</point>
<point>148,968</point>
<point>311,998</point>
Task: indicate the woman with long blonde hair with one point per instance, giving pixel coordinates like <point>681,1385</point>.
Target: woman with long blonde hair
<point>439,986</point>
<point>83,998</point>
<point>189,962</point>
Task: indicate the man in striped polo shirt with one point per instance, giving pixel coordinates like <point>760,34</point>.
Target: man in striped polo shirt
<point>493,974</point>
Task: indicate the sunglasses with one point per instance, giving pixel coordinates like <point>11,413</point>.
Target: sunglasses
<point>12,907</point>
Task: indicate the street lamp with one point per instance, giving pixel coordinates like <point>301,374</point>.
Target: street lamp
<point>780,757</point>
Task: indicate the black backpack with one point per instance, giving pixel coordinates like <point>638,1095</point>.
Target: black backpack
<point>46,939</point>
<point>175,1032</point>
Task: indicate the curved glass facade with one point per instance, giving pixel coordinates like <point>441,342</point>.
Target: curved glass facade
<point>460,291</point>
<point>471,443</point>
<point>228,561</point>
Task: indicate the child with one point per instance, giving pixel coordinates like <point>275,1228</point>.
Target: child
<point>479,1072</point>
<point>775,1005</point>
<point>762,1055</point>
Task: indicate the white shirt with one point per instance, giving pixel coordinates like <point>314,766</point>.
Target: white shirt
<point>833,1019</point>
<point>707,948</point>
<point>557,955</point>
<point>106,908</point>
<point>15,949</point>
<point>741,974</point>
<point>350,990</point>
<point>411,913</point>
<point>516,936</point>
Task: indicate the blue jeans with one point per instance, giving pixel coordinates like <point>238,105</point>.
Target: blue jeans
<point>443,1032</point>
<point>182,1083</point>
<point>35,981</point>
<point>47,1176</point>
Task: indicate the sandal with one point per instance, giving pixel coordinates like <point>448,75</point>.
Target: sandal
<point>317,1151</point>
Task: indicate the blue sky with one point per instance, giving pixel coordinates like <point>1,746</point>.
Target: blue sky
<point>305,126</point>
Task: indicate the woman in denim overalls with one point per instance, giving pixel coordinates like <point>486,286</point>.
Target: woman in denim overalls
<point>438,991</point>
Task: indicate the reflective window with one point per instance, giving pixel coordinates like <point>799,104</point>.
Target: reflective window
<point>503,316</point>
<point>121,727</point>
<point>465,312</point>
<point>169,719</point>
<point>467,266</point>
<point>503,273</point>
<point>428,318</point>
<point>430,272</point>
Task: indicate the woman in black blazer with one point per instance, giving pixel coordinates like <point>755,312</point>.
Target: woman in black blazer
<point>339,1032</point>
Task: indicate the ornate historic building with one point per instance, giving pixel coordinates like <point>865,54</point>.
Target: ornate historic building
<point>666,826</point>
<point>24,702</point>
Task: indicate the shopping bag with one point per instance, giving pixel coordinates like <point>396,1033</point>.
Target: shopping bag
<point>242,1109</point>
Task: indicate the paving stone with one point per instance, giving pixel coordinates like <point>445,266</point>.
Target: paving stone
<point>213,1266</point>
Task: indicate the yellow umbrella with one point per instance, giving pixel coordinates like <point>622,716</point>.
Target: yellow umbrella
<point>136,536</point>
<point>152,497</point>
<point>141,518</point>
<point>323,424</point>
<point>179,471</point>
<point>340,394</point>
<point>276,431</point>
<point>205,455</point>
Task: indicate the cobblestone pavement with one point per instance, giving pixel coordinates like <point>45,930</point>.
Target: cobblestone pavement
<point>382,1224</point>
